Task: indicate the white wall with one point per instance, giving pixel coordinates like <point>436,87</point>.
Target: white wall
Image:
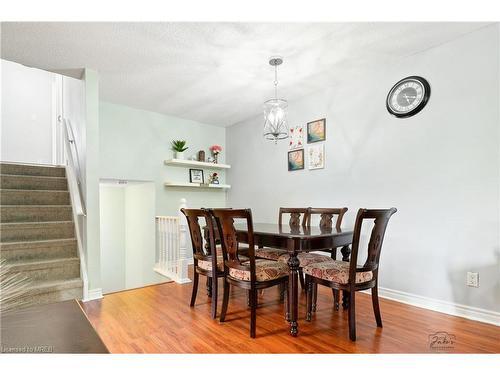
<point>80,105</point>
<point>134,144</point>
<point>440,168</point>
<point>73,109</point>
<point>127,236</point>
<point>140,236</point>
<point>28,115</point>
<point>92,168</point>
<point>112,211</point>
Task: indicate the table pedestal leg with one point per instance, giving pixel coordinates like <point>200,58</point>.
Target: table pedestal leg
<point>293,264</point>
<point>346,252</point>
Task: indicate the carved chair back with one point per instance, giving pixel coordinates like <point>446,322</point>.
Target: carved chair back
<point>380,219</point>
<point>327,217</point>
<point>295,214</point>
<point>229,241</point>
<point>201,252</point>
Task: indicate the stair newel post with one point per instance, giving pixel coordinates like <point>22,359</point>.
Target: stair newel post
<point>183,245</point>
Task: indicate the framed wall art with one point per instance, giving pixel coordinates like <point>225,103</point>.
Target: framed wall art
<point>196,175</point>
<point>316,131</point>
<point>316,156</point>
<point>296,137</point>
<point>296,160</point>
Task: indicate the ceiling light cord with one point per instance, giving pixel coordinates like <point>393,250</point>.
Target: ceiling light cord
<point>276,82</point>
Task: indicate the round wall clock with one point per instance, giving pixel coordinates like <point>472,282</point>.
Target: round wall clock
<point>408,97</point>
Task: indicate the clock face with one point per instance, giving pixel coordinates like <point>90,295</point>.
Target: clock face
<point>408,97</point>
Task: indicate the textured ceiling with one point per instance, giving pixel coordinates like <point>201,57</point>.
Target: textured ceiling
<point>215,73</point>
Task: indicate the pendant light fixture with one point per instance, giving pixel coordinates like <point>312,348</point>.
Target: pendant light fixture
<point>275,110</point>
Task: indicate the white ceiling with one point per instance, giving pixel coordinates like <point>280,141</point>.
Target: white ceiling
<point>215,73</point>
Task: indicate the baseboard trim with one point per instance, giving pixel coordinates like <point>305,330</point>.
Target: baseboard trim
<point>450,308</point>
<point>94,294</point>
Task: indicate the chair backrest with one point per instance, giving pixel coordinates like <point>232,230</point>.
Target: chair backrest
<point>380,220</point>
<point>294,216</point>
<point>327,214</point>
<point>229,242</point>
<point>201,252</point>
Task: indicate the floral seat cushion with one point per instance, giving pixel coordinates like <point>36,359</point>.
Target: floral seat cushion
<point>264,270</point>
<point>207,264</point>
<point>306,258</point>
<point>336,271</point>
<point>269,253</point>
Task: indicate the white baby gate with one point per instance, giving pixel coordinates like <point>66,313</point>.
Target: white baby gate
<point>171,246</point>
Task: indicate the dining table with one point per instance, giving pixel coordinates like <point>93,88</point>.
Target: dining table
<point>295,240</point>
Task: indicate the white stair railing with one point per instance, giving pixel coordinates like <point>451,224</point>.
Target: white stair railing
<point>73,175</point>
<point>171,246</point>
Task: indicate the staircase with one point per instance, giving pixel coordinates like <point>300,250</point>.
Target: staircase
<point>37,233</point>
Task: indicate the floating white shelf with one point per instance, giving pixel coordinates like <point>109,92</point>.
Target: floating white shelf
<point>194,163</point>
<point>218,186</point>
<point>182,184</point>
<point>197,185</point>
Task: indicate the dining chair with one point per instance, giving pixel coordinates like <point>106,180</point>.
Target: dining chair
<point>327,218</point>
<point>348,276</point>
<point>325,223</point>
<point>294,221</point>
<point>250,274</point>
<point>206,260</point>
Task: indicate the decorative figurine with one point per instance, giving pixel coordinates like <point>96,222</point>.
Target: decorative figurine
<point>214,178</point>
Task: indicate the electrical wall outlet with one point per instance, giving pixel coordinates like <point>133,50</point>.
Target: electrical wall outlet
<point>473,279</point>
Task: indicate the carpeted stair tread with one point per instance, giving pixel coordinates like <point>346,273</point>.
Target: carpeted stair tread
<point>41,249</point>
<point>44,292</point>
<point>20,182</point>
<point>36,271</point>
<point>34,231</point>
<point>32,244</point>
<point>35,213</point>
<point>34,197</point>
<point>21,266</point>
<point>44,286</point>
<point>32,170</point>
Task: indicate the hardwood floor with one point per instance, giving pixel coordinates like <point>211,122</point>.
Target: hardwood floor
<point>158,319</point>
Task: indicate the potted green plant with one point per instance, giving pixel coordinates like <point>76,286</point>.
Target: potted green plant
<point>179,146</point>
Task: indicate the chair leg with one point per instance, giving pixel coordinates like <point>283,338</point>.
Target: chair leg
<point>376,307</point>
<point>282,291</point>
<point>336,294</point>
<point>209,286</point>
<point>285,294</point>
<point>314,296</point>
<point>196,276</point>
<point>287,315</point>
<point>309,290</point>
<point>352,316</point>
<point>253,314</point>
<point>334,254</point>
<point>214,296</point>
<point>225,301</point>
<point>301,280</point>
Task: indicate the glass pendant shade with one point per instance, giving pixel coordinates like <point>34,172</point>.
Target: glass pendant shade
<point>275,117</point>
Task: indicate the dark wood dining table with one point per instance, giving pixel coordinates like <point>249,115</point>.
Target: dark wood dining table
<point>295,240</point>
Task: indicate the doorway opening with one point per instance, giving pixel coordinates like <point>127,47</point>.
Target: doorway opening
<point>127,219</point>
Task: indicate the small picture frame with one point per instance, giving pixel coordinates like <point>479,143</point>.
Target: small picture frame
<point>296,138</point>
<point>316,156</point>
<point>316,131</point>
<point>196,176</point>
<point>296,160</point>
